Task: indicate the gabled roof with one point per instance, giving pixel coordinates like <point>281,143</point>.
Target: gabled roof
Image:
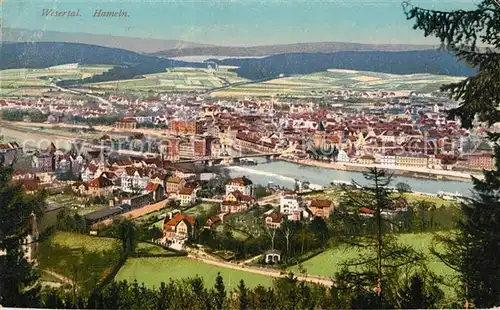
<point>320,203</point>
<point>243,181</point>
<point>153,187</point>
<point>101,182</point>
<point>186,191</point>
<point>179,217</point>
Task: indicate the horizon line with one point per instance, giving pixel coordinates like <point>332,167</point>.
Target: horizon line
<point>198,42</point>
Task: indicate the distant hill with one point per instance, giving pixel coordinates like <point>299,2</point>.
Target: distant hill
<point>404,62</point>
<point>130,64</point>
<point>46,54</point>
<point>140,45</point>
<point>267,50</point>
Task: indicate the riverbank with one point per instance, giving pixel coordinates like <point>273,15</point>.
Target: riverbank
<point>410,172</point>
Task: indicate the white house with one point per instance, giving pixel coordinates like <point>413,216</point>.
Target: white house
<point>242,184</point>
<point>388,160</point>
<point>187,196</point>
<point>289,203</point>
<point>133,179</point>
<point>342,157</point>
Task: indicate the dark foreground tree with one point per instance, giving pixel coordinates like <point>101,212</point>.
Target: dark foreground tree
<point>126,231</point>
<point>373,278</point>
<point>474,36</point>
<point>18,279</point>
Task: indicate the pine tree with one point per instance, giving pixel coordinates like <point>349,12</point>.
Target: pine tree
<point>381,257</point>
<point>243,295</point>
<point>474,36</point>
<point>220,292</point>
<point>18,278</point>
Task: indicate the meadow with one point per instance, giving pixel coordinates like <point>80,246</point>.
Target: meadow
<point>322,83</point>
<point>329,262</point>
<point>153,271</point>
<point>76,241</point>
<point>199,208</point>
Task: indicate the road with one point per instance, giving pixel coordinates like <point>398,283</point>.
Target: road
<point>261,271</point>
<point>60,277</point>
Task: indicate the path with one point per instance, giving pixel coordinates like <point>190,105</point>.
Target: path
<point>60,277</point>
<point>262,271</point>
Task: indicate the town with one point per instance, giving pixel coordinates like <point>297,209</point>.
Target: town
<point>250,155</point>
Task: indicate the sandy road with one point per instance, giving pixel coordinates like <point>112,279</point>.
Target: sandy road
<point>262,271</point>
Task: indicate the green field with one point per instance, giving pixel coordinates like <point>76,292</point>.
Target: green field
<point>175,79</point>
<point>15,82</point>
<point>323,83</point>
<point>199,208</point>
<point>329,262</point>
<point>153,271</point>
<point>98,244</point>
<point>335,194</point>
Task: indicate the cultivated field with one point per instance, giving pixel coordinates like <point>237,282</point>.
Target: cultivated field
<point>32,82</point>
<point>153,271</point>
<point>322,83</point>
<point>174,79</point>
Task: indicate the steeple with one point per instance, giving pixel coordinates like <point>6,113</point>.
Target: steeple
<point>320,126</point>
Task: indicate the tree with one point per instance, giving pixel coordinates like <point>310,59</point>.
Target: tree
<point>473,36</point>
<point>381,257</point>
<point>220,292</point>
<point>18,279</point>
<point>242,295</point>
<point>402,188</point>
<point>126,231</point>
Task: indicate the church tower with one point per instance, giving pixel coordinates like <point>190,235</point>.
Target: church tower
<point>319,135</point>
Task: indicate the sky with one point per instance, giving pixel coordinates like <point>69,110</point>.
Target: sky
<point>233,22</point>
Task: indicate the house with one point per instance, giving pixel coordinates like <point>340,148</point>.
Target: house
<point>138,201</point>
<point>187,196</point>
<point>243,184</point>
<point>102,214</point>
<point>9,152</point>
<point>321,208</point>
<point>100,187</point>
<point>365,212</point>
<point>90,172</point>
<point>272,256</point>
<point>273,220</point>
<point>289,203</point>
<point>30,185</point>
<point>236,202</point>
<point>126,123</point>
<point>80,188</point>
<point>43,162</point>
<point>212,221</point>
<point>134,180</point>
<point>174,185</point>
<point>180,228</point>
<point>157,190</point>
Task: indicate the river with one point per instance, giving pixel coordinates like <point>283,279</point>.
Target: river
<point>284,174</point>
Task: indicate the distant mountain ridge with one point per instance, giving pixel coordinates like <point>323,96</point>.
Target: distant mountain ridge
<point>47,54</point>
<point>139,45</point>
<point>403,62</point>
<point>129,64</point>
<point>266,50</point>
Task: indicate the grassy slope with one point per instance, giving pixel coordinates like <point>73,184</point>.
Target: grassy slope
<point>329,262</point>
<point>153,271</point>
